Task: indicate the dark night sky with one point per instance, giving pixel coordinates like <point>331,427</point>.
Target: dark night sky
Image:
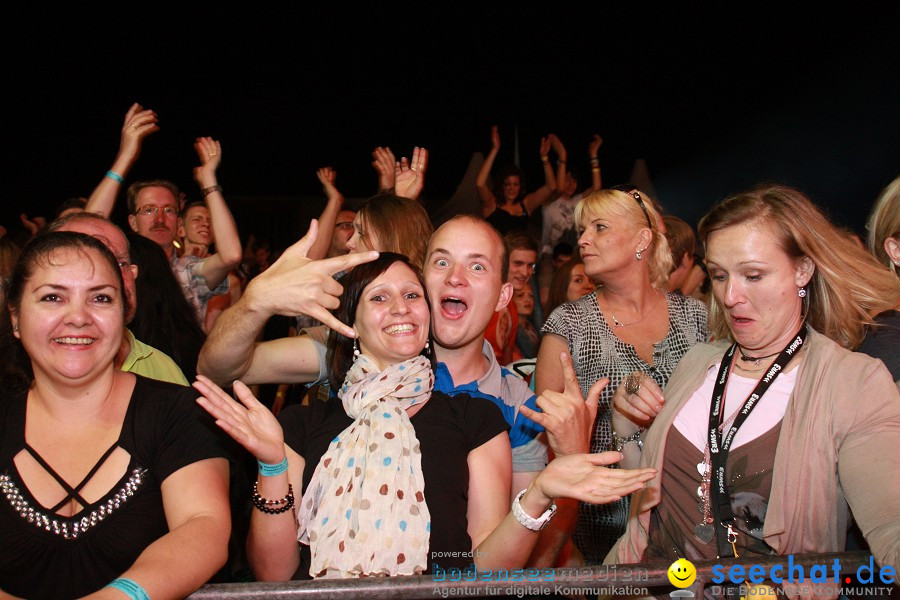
<point>714,100</point>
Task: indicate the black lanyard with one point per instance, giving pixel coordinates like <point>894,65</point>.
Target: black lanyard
<point>720,445</point>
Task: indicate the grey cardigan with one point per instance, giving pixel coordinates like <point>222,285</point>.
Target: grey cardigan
<point>838,450</point>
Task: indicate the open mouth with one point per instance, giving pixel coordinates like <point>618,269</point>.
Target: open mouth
<point>453,307</point>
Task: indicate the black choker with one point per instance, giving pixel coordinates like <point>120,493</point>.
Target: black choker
<point>756,360</point>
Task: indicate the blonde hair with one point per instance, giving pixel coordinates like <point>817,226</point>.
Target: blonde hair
<point>848,287</point>
<point>884,222</point>
<point>604,203</point>
<point>399,224</point>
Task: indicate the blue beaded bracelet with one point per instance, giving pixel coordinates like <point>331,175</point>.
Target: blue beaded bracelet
<point>130,588</point>
<point>267,470</point>
<point>114,176</point>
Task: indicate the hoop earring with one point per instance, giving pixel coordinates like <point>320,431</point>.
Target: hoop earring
<point>355,347</point>
<point>801,292</point>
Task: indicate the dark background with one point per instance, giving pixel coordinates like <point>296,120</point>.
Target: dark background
<point>714,98</point>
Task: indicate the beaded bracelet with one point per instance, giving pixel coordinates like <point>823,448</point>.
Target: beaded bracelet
<point>267,470</point>
<point>114,176</point>
<point>130,588</point>
<point>263,504</point>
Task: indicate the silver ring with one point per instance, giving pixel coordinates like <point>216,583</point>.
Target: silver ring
<point>133,125</point>
<point>633,383</point>
<point>213,153</point>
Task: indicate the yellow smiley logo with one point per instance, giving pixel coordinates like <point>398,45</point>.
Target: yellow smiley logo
<point>682,573</point>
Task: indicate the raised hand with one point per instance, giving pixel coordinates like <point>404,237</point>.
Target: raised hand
<point>210,153</point>
<point>557,146</point>
<point>384,165</point>
<point>327,176</point>
<point>139,123</point>
<point>639,407</point>
<point>296,285</point>
<point>409,177</point>
<point>495,138</point>
<point>594,146</point>
<point>249,423</point>
<point>587,478</point>
<point>33,225</point>
<point>546,145</point>
<point>567,417</point>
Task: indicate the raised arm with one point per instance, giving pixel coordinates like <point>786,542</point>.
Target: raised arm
<point>593,148</point>
<point>273,550</point>
<point>215,268</point>
<point>293,285</point>
<point>488,200</point>
<point>333,205</point>
<point>409,176</point>
<point>384,162</point>
<point>139,123</point>
<point>536,198</point>
<point>561,155</point>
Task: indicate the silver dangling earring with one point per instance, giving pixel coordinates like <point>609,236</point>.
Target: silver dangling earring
<point>638,254</point>
<point>355,347</point>
<point>801,292</point>
<point>427,348</point>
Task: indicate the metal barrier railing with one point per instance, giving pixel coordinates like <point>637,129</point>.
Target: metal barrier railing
<point>612,580</point>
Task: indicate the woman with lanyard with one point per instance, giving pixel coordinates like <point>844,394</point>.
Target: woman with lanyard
<point>396,478</point>
<point>766,440</point>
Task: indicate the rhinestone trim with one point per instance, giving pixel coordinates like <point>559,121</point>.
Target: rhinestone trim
<point>70,529</point>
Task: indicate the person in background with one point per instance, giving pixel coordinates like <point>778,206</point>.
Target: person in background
<point>883,336</point>
<point>153,208</point>
<point>570,283</point>
<point>163,318</point>
<point>507,207</point>
<point>528,339</point>
<point>559,215</point>
<point>682,240</point>
<point>503,328</point>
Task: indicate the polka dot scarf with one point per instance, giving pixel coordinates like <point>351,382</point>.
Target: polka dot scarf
<point>364,511</point>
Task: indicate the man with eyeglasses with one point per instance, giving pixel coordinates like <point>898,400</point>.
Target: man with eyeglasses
<point>153,208</point>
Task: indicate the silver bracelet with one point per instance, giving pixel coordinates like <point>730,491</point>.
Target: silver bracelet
<point>619,442</point>
<point>527,520</point>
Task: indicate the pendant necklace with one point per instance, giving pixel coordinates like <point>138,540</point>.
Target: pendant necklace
<point>618,323</point>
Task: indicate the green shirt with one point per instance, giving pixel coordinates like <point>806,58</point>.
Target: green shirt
<point>148,361</point>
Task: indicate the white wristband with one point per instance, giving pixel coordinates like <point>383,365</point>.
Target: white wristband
<point>527,520</point>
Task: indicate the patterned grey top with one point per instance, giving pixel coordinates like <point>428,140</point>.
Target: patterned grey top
<point>596,353</point>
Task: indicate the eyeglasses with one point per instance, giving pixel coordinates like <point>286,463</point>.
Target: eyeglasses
<point>150,211</point>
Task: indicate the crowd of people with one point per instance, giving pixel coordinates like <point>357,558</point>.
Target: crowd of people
<point>571,377</point>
